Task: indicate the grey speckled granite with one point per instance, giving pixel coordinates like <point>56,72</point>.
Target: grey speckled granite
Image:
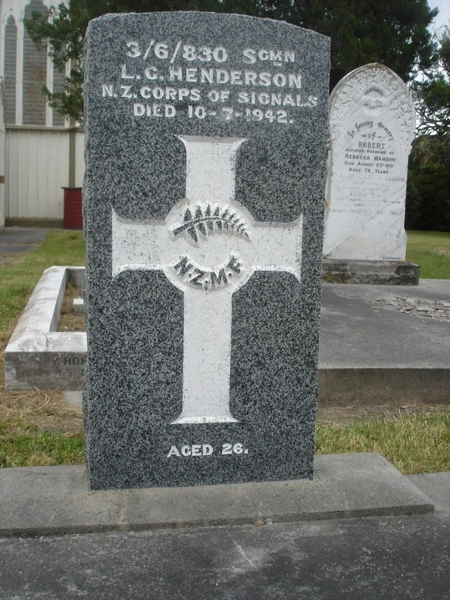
<point>151,78</point>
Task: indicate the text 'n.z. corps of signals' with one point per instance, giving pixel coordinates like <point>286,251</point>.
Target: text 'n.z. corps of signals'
<point>205,87</point>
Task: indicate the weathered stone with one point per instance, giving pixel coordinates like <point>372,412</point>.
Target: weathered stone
<point>418,307</point>
<point>37,355</point>
<point>373,272</point>
<point>372,125</point>
<point>78,306</point>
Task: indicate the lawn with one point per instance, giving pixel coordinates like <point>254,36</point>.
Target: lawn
<point>39,428</point>
<point>431,250</point>
<point>19,276</point>
<point>413,439</point>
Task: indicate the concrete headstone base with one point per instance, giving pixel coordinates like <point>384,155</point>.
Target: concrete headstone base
<point>372,272</point>
<point>57,500</point>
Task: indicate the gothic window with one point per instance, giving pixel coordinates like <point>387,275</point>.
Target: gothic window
<point>10,70</point>
<point>58,85</point>
<point>34,73</point>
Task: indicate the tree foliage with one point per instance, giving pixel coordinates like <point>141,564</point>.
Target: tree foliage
<point>393,32</point>
<point>63,29</point>
<point>428,193</point>
<point>428,197</point>
<point>432,93</point>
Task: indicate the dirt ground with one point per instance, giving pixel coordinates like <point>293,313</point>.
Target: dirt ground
<point>68,320</point>
<point>47,409</point>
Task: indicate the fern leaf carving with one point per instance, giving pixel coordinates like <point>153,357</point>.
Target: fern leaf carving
<point>192,232</point>
<point>206,220</point>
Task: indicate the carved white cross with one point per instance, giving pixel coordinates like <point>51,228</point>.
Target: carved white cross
<point>208,246</point>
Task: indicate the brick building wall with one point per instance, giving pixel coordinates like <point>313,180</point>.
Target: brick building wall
<point>10,69</point>
<point>34,74</point>
<point>25,69</point>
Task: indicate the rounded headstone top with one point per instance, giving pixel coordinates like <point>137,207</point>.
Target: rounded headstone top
<point>372,91</point>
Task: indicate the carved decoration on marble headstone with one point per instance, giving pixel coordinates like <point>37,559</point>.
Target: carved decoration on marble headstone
<point>371,130</point>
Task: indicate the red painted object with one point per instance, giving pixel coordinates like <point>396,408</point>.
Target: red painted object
<point>73,208</point>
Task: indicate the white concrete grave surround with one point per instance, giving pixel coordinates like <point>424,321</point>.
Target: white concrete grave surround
<point>372,124</point>
<point>38,355</point>
<point>208,246</point>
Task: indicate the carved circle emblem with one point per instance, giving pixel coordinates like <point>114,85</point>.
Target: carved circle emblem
<point>374,100</point>
<point>218,264</point>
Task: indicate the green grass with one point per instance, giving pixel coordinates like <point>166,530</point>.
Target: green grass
<point>26,418</point>
<point>19,276</point>
<point>414,443</point>
<point>35,448</point>
<point>431,250</point>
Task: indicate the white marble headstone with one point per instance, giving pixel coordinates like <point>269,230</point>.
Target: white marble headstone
<point>372,123</point>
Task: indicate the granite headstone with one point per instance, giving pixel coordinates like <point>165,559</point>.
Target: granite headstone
<point>204,194</point>
<point>372,125</point>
